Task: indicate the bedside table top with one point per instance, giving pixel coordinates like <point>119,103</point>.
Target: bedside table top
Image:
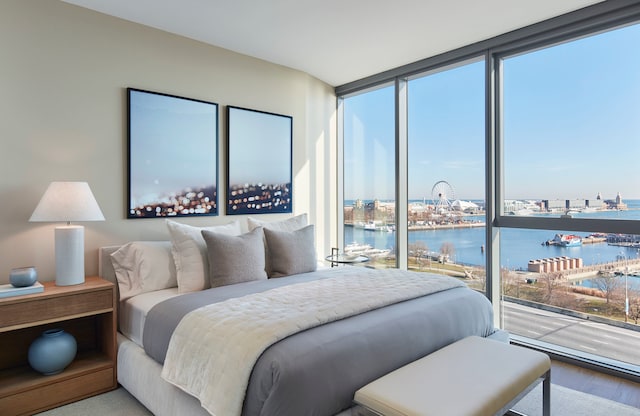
<point>92,297</point>
<point>50,289</point>
<point>346,259</point>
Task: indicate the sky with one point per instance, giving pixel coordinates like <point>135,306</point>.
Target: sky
<point>571,126</point>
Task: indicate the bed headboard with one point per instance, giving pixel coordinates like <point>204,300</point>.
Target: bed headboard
<point>105,267</point>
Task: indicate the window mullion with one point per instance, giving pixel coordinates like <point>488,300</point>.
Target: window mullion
<point>493,184</point>
<point>402,191</point>
<point>340,175</point>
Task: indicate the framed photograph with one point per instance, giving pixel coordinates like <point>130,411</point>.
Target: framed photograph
<point>173,156</point>
<point>259,160</point>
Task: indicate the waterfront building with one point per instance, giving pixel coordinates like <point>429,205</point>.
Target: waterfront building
<point>521,207</point>
<point>616,203</point>
<point>376,213</point>
<point>554,264</point>
<point>576,205</point>
<point>466,206</point>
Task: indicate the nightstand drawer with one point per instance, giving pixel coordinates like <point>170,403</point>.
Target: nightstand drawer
<point>48,309</point>
<point>58,393</point>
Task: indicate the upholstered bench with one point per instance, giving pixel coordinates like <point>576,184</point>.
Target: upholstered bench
<point>474,376</point>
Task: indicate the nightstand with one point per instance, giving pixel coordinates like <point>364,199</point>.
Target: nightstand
<point>88,312</point>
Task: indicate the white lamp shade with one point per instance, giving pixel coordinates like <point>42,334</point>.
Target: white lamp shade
<point>67,201</point>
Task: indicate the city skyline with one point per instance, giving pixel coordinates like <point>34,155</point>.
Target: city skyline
<point>428,200</point>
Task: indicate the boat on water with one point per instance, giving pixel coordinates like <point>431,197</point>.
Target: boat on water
<point>364,250</point>
<point>565,240</point>
<point>375,226</point>
<point>371,226</point>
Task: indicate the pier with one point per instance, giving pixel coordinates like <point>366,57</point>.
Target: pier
<point>594,270</point>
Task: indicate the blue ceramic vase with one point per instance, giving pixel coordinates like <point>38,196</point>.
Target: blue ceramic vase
<point>52,352</point>
<point>23,276</point>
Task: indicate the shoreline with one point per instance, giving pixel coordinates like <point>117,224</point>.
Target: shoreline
<point>426,227</point>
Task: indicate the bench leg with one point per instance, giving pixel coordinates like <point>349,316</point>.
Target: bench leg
<point>546,394</point>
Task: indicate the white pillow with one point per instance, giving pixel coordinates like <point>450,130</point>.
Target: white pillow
<point>190,253</point>
<point>289,224</point>
<point>143,266</point>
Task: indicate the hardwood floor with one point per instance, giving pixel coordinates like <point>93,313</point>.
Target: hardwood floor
<point>593,382</point>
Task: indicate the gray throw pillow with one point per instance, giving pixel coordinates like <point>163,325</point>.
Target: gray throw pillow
<point>291,252</point>
<point>235,259</point>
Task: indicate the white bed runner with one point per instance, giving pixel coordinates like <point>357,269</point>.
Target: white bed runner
<point>214,348</point>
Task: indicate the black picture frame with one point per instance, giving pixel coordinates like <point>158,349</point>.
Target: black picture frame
<point>259,162</point>
<point>172,156</point>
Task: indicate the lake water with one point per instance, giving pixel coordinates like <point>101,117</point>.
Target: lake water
<point>517,248</point>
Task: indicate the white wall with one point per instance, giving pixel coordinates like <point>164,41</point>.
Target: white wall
<point>64,72</point>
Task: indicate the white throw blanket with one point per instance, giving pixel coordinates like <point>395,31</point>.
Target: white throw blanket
<point>214,348</point>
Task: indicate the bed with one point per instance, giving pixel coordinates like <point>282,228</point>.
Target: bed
<point>314,371</point>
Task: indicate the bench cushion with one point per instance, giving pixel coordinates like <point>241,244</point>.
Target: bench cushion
<point>474,376</point>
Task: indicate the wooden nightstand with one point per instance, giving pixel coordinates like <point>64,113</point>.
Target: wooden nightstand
<point>88,312</point>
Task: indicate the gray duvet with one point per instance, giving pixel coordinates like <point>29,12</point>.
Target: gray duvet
<point>317,371</point>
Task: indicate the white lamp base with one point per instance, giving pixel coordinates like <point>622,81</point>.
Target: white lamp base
<point>69,255</point>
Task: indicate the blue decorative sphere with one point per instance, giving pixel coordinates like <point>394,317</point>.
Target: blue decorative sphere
<point>52,352</point>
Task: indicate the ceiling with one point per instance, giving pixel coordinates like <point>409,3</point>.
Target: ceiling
<point>337,41</point>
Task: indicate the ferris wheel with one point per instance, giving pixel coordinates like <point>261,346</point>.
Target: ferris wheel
<point>442,196</point>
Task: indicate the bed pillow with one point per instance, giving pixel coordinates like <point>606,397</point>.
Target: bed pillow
<point>190,253</point>
<point>289,224</point>
<point>143,266</point>
<point>291,252</point>
<point>235,259</point>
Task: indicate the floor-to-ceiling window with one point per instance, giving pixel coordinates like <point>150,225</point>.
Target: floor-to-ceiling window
<point>446,180</point>
<point>538,143</point>
<point>369,206</point>
<point>571,144</point>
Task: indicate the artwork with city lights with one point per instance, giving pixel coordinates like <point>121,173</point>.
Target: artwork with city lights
<point>173,156</point>
<point>259,152</point>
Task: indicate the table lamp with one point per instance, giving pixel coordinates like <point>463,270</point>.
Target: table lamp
<point>68,201</point>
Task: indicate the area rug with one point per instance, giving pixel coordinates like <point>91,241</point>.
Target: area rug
<point>564,402</point>
<point>567,402</point>
<point>114,403</point>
